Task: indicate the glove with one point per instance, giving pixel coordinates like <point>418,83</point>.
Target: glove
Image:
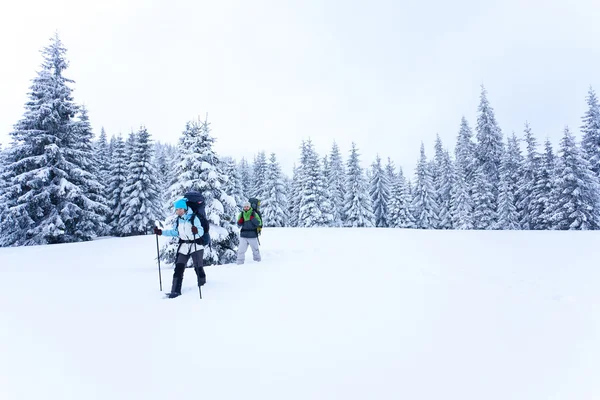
<point>194,230</point>
<point>157,231</point>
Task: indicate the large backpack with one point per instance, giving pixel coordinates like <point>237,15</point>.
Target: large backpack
<point>195,201</point>
<point>255,204</point>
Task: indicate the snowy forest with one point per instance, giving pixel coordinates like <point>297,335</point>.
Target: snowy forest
<point>61,182</point>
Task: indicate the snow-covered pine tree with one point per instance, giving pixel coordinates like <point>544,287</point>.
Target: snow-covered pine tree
<point>508,217</point>
<point>165,166</point>
<point>233,185</point>
<point>119,170</point>
<point>484,209</point>
<point>87,178</point>
<point>259,179</point>
<point>590,142</point>
<point>512,168</point>
<point>543,201</point>
<point>528,216</point>
<point>294,198</point>
<point>465,151</point>
<point>336,178</point>
<point>312,189</point>
<point>199,170</point>
<point>461,199</point>
<point>400,215</point>
<point>442,182</point>
<point>102,154</point>
<point>424,205</point>
<point>246,175</point>
<point>577,195</point>
<point>489,150</point>
<point>274,206</point>
<point>141,199</point>
<point>48,192</point>
<point>358,209</point>
<point>380,194</point>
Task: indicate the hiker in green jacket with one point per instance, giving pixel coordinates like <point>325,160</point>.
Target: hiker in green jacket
<point>250,222</point>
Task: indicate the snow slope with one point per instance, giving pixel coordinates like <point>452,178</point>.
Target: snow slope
<point>328,314</point>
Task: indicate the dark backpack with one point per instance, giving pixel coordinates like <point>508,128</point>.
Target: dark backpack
<point>195,201</point>
<point>255,204</point>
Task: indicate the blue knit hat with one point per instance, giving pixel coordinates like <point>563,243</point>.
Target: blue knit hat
<point>180,204</point>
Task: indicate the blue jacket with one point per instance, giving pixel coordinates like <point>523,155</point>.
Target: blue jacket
<point>183,227</point>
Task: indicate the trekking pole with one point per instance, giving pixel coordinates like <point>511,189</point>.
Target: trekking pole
<point>158,258</point>
<point>197,277</point>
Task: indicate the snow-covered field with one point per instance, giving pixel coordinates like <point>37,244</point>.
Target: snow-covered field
<point>328,314</point>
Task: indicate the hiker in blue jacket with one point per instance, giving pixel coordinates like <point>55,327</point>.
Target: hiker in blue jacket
<point>189,230</point>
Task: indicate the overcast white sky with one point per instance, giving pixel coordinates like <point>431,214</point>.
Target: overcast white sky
<point>386,74</point>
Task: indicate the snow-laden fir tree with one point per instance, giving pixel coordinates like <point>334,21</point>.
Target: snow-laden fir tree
<point>511,172</point>
<point>590,142</point>
<point>336,178</point>
<point>199,170</point>
<point>358,209</point>
<point>542,201</point>
<point>442,182</point>
<point>259,178</point>
<point>233,186</point>
<point>246,175</point>
<point>577,196</point>
<point>315,208</point>
<point>380,193</point>
<point>326,202</point>
<point>465,151</point>
<point>119,170</point>
<point>165,166</point>
<point>461,208</point>
<point>508,216</point>
<point>529,215</point>
<point>274,206</point>
<point>102,157</point>
<point>48,194</point>
<point>141,199</point>
<point>400,215</point>
<point>484,203</point>
<point>294,198</point>
<point>489,149</point>
<point>424,206</point>
<point>87,178</point>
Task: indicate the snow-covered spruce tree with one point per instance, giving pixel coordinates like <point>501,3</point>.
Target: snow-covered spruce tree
<point>315,209</point>
<point>465,151</point>
<point>87,178</point>
<point>165,167</point>
<point>102,157</point>
<point>400,215</point>
<point>336,177</point>
<point>508,217</point>
<point>119,170</point>
<point>512,168</point>
<point>141,199</point>
<point>424,206</point>
<point>489,149</point>
<point>259,178</point>
<point>274,206</point>
<point>484,208</point>
<point>358,209</point>
<point>543,201</point>
<point>590,142</point>
<point>246,175</point>
<point>48,194</point>
<point>461,199</point>
<point>577,196</point>
<point>199,170</point>
<point>233,186</point>
<point>528,215</point>
<point>380,194</point>
<point>294,199</point>
<point>442,182</point>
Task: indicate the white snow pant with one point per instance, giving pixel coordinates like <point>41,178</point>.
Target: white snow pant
<point>244,242</point>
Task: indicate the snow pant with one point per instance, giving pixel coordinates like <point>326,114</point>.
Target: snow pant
<point>244,243</point>
<point>182,259</point>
